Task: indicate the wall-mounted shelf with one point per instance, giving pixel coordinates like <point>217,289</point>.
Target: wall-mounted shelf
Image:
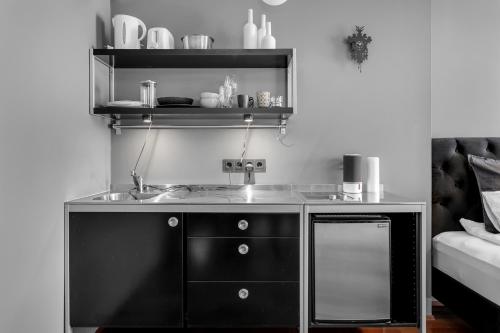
<point>114,59</point>
<point>277,113</point>
<point>214,58</point>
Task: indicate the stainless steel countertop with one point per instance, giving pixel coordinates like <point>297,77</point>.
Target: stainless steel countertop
<point>249,195</point>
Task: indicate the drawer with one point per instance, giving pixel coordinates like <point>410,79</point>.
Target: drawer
<point>240,304</point>
<point>242,259</point>
<point>243,225</point>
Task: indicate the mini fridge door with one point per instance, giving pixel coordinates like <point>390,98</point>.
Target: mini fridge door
<point>352,271</point>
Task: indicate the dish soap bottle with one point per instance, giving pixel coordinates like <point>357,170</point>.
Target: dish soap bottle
<point>268,42</point>
<point>262,30</point>
<point>250,32</point>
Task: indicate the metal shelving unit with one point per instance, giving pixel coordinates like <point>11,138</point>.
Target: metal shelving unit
<point>123,118</point>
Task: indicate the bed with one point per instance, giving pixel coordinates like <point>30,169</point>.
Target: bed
<point>465,269</point>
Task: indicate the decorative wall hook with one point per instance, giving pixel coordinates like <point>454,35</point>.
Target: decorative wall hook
<point>358,46</point>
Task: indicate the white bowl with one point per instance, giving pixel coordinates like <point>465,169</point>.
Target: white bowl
<point>209,95</point>
<point>209,102</point>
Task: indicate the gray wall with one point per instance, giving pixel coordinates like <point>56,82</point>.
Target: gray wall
<point>51,149</point>
<point>465,68</point>
<point>385,111</point>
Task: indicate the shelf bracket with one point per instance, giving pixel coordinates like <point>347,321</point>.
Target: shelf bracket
<point>283,123</point>
<point>115,124</point>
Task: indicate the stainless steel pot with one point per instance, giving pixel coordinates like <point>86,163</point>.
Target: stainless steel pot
<point>200,42</point>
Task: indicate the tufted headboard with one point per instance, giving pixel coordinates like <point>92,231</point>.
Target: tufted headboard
<point>454,188</point>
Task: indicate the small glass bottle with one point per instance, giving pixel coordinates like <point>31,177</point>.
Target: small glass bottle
<point>148,93</point>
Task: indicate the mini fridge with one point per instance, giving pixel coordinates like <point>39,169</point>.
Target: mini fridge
<point>351,271</point>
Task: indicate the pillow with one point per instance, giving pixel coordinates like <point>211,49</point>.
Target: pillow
<point>477,229</point>
<point>487,171</point>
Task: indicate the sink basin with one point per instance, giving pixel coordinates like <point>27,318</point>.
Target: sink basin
<point>115,197</point>
<point>131,195</point>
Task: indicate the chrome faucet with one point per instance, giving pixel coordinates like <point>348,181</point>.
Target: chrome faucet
<point>249,174</point>
<point>138,181</point>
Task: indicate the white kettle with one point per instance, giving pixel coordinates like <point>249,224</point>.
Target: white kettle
<point>126,30</point>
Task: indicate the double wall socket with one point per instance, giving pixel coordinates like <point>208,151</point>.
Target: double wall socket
<point>237,165</point>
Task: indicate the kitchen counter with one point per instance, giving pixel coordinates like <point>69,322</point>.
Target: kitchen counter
<point>248,195</point>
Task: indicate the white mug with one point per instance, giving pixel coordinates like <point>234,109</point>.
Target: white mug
<point>160,38</point>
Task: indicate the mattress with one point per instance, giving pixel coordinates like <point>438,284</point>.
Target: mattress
<point>471,261</point>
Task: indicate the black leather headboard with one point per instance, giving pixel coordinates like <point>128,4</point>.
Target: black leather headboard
<point>454,188</point>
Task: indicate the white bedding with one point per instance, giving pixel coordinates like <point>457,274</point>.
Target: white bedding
<point>470,260</point>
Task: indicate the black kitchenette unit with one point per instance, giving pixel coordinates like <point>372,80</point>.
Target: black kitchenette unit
<point>141,269</point>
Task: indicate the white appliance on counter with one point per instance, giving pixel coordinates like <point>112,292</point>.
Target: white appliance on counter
<point>351,268</point>
<point>126,31</point>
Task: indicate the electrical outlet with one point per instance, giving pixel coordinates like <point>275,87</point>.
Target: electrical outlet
<point>238,166</point>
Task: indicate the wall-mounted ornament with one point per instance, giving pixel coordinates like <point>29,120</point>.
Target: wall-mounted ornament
<point>358,46</point>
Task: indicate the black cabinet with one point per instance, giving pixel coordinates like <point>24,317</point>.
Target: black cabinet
<point>125,269</point>
<point>243,270</point>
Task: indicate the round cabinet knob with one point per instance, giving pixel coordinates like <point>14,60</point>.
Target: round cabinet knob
<point>243,249</point>
<point>243,293</point>
<point>173,222</point>
<point>243,225</point>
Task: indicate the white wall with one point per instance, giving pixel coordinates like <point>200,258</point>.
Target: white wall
<point>465,68</point>
<point>51,149</point>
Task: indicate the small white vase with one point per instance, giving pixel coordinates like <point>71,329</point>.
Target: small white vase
<point>250,33</point>
<point>268,42</point>
<point>262,30</point>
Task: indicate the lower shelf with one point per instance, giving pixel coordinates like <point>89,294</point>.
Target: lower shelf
<point>194,113</point>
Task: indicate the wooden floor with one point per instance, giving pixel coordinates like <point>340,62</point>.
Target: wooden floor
<point>442,321</point>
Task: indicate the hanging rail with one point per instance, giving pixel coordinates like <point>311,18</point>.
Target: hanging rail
<point>116,126</point>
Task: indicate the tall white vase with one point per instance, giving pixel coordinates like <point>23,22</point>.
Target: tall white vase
<point>250,32</point>
<point>262,30</point>
<point>268,42</point>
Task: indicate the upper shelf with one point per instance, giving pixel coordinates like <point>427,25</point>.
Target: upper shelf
<point>179,58</point>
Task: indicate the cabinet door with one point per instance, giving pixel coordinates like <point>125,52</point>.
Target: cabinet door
<point>243,225</point>
<point>243,304</point>
<point>243,259</point>
<point>125,269</point>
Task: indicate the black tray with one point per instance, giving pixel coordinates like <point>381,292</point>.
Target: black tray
<point>174,100</point>
<point>177,106</point>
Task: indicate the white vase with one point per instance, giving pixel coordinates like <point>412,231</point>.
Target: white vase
<point>250,33</point>
<point>268,42</point>
<point>262,30</point>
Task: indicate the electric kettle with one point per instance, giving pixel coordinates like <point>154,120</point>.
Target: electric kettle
<point>126,29</point>
<point>160,38</point>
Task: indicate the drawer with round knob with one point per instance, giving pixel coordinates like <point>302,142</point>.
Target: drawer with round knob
<point>243,304</point>
<point>242,259</point>
<point>243,225</point>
